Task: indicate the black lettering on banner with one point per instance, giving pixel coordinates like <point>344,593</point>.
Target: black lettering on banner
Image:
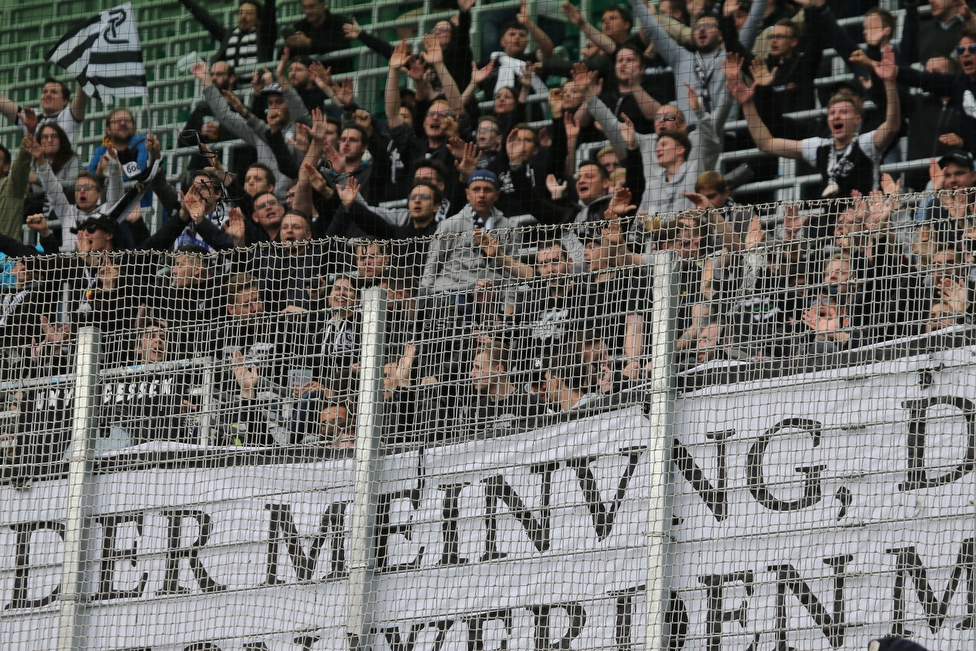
<point>624,617</point>
<point>602,515</point>
<point>282,526</point>
<point>477,624</point>
<point>716,615</point>
<point>19,598</point>
<point>909,564</point>
<point>917,477</point>
<point>543,631</point>
<point>756,476</point>
<point>112,555</point>
<point>787,578</point>
<point>202,646</point>
<point>304,641</point>
<point>450,513</point>
<point>715,498</point>
<point>384,529</point>
<point>396,643</point>
<point>175,553</point>
<point>496,488</point>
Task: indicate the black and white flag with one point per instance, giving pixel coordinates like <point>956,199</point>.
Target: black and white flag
<point>104,55</point>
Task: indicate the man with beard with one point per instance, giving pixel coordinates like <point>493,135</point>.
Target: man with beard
<point>130,148</point>
<point>224,78</point>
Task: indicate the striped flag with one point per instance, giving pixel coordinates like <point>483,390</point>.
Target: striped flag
<point>104,55</point>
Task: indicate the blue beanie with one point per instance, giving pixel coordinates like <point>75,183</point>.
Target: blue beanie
<point>484,175</point>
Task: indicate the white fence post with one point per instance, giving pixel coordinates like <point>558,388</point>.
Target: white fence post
<point>73,592</point>
<point>660,402</point>
<point>361,558</point>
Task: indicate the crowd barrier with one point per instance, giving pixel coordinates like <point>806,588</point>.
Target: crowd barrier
<point>580,459</point>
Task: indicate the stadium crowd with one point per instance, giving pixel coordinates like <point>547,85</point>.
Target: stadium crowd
<point>517,267</point>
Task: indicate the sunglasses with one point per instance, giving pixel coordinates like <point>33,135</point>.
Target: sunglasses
<point>962,50</point>
<point>666,118</point>
<point>90,229</point>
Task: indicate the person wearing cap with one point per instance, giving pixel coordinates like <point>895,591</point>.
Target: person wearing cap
<point>248,44</point>
<point>88,193</point>
<point>947,213</point>
<point>456,262</point>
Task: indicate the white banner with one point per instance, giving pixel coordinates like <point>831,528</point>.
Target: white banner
<point>813,512</point>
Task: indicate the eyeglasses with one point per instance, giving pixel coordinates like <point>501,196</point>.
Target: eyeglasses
<point>270,203</point>
<point>487,130</point>
<point>419,197</point>
<point>666,118</point>
<point>442,30</point>
<point>963,49</point>
<point>88,187</point>
<point>120,121</point>
<point>49,136</point>
<point>440,115</point>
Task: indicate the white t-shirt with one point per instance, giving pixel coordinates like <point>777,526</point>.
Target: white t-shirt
<point>842,157</point>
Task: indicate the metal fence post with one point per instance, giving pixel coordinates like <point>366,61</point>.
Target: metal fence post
<point>660,403</point>
<point>73,594</point>
<point>361,556</point>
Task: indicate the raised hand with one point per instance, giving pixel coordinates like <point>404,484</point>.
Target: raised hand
<point>468,160</point>
<point>34,147</point>
<point>572,127</point>
<point>886,69</point>
<point>756,233</point>
<point>556,189</point>
<point>732,66</point>
<point>29,119</point>
<point>353,30</point>
<point>401,55</point>
<point>348,194</point>
<point>761,74</point>
<point>235,226</point>
<point>620,203</point>
<point>572,13</point>
<point>583,77</point>
<point>319,184</point>
<point>523,14</point>
<point>479,76</point>
<point>936,174</point>
<point>628,131</point>
<point>282,70</point>
<point>432,50</point>
<point>556,102</point>
<point>199,70</point>
<point>465,5</point>
<point>345,94</point>
<point>38,224</point>
<point>487,243</point>
<point>233,101</point>
<point>152,147</point>
<point>700,201</point>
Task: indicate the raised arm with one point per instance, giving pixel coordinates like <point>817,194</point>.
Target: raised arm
<point>887,70</point>
<point>761,135</point>
<point>601,40</point>
<point>208,22</point>
<point>753,25</point>
<point>434,55</point>
<point>666,45</point>
<point>401,57</point>
<point>542,40</point>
